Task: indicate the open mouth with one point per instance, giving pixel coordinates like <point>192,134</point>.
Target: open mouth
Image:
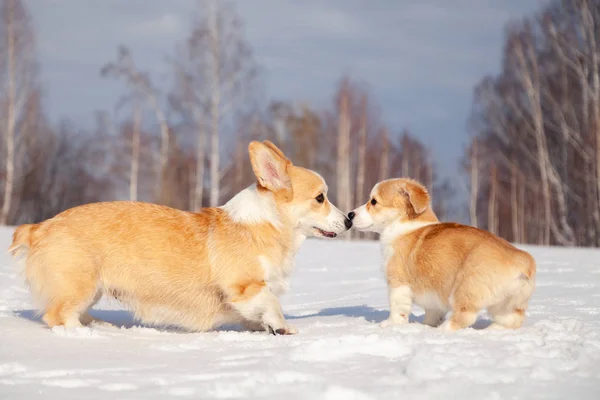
<point>325,233</point>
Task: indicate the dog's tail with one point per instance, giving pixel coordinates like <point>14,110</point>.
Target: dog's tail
<point>22,239</point>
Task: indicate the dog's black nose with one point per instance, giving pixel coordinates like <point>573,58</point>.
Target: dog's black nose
<point>348,223</point>
<point>351,215</point>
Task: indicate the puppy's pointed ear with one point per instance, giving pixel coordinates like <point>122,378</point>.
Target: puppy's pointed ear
<point>417,196</point>
<point>271,169</point>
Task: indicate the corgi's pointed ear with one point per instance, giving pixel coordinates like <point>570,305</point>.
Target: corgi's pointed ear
<point>272,146</point>
<point>417,196</point>
<point>271,169</point>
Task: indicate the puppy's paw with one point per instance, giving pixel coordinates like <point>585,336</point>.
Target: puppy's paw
<point>447,326</point>
<point>496,327</point>
<point>434,321</point>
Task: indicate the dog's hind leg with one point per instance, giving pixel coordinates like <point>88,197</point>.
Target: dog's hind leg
<point>86,318</point>
<point>70,304</point>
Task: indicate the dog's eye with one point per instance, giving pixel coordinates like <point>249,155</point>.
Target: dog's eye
<point>373,202</point>
<point>320,198</point>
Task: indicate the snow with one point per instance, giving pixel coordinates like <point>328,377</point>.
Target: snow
<point>336,300</point>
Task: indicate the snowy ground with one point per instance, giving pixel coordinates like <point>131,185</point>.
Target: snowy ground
<point>337,298</point>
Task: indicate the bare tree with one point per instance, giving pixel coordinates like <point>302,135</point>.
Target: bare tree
<point>141,86</point>
<point>514,202</point>
<point>344,195</point>
<point>362,149</point>
<point>492,207</point>
<point>17,66</point>
<point>384,163</point>
<point>362,152</point>
<point>474,189</point>
<point>188,100</point>
<point>135,153</point>
<point>229,72</point>
<point>539,121</point>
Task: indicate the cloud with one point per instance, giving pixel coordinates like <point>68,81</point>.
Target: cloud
<point>158,26</point>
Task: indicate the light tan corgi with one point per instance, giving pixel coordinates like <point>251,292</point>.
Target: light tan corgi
<point>443,266</point>
<point>170,267</point>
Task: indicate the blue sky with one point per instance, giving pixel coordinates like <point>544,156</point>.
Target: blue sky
<point>420,59</point>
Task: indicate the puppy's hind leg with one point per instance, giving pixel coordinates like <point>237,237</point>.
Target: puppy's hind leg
<point>460,319</point>
<point>510,319</point>
<point>466,303</point>
<point>433,317</point>
<point>510,313</point>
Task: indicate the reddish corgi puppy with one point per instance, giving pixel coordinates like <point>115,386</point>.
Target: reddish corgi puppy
<point>443,267</point>
<point>169,267</point>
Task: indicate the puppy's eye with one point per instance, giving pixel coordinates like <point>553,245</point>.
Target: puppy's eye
<point>373,202</point>
<point>320,198</point>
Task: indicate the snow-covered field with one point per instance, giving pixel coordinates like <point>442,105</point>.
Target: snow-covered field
<point>336,300</point>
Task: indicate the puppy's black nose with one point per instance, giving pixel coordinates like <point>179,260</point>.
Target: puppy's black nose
<point>348,223</point>
<point>351,215</point>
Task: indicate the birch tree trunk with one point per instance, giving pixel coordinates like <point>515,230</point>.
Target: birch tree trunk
<point>215,104</point>
<point>492,202</point>
<point>474,192</point>
<point>429,171</point>
<point>514,203</point>
<point>384,161</point>
<point>135,153</point>
<point>405,162</point>
<point>200,159</point>
<point>522,216</point>
<point>528,74</point>
<point>344,194</point>
<point>9,134</point>
<point>164,145</point>
<point>239,166</point>
<point>590,26</point>
<point>362,154</point>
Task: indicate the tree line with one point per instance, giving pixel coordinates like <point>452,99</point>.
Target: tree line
<point>184,145</point>
<point>534,156</point>
<point>532,164</point>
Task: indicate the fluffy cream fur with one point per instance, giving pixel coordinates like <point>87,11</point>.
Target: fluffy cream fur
<point>444,266</point>
<point>171,267</point>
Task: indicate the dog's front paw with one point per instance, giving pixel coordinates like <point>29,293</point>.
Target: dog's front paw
<point>393,321</point>
<point>285,330</point>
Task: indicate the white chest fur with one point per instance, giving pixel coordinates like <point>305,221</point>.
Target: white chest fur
<point>251,207</point>
<point>277,276</point>
<point>387,252</point>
